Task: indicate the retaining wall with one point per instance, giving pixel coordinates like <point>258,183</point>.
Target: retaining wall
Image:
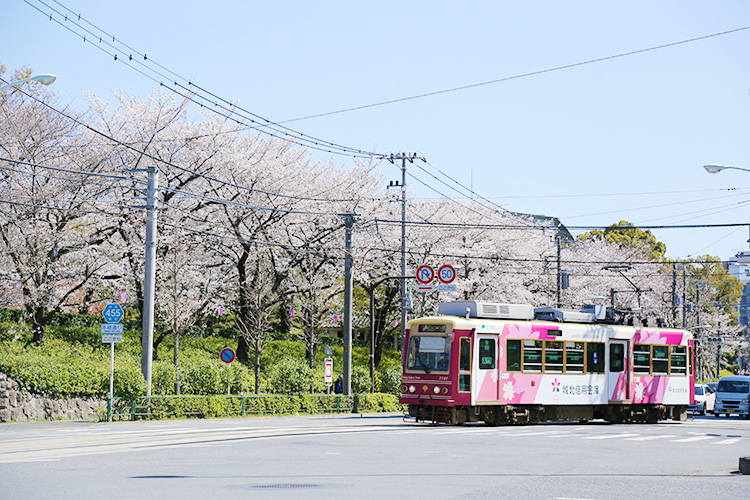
<point>19,406</point>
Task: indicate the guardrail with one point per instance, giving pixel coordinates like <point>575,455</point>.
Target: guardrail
<point>158,407</point>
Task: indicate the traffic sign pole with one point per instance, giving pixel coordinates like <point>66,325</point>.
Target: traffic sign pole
<point>112,333</point>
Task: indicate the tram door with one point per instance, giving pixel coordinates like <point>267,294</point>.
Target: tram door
<point>618,380</point>
<point>486,383</point>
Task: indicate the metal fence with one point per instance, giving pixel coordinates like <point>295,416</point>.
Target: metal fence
<point>158,407</point>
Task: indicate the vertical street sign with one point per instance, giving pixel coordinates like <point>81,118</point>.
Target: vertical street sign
<point>328,374</point>
<point>111,334</point>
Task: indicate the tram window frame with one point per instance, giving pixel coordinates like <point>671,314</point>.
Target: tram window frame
<point>595,357</point>
<point>464,365</point>
<point>674,353</point>
<point>640,365</point>
<point>533,347</point>
<point>490,355</point>
<point>690,360</point>
<point>554,347</point>
<point>616,359</point>
<point>571,366</point>
<point>513,355</point>
<point>660,365</point>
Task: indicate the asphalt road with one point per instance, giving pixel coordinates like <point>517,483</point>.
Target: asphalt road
<point>372,456</point>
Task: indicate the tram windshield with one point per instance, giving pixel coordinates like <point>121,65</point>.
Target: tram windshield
<point>429,353</point>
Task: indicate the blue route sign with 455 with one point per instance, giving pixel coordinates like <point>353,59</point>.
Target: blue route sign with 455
<point>113,313</point>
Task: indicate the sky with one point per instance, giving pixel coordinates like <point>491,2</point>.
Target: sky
<point>622,138</point>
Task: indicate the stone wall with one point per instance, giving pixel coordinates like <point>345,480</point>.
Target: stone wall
<point>19,405</point>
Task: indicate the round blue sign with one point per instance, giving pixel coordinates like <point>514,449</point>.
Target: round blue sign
<point>227,355</point>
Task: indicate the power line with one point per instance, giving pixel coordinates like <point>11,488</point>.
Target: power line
<point>517,77</point>
<point>193,92</point>
<point>454,225</point>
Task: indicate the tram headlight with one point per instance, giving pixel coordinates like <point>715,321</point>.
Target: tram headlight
<point>405,388</point>
<point>436,390</point>
<point>445,390</point>
<point>412,388</point>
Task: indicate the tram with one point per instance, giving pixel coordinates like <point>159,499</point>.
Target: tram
<point>509,363</point>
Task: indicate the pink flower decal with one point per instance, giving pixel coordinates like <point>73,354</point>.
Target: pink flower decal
<point>555,386</point>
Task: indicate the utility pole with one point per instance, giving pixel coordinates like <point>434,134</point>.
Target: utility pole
<point>684,296</point>
<point>674,295</point>
<point>147,345</point>
<point>349,223</point>
<point>404,301</point>
<point>559,273</point>
<point>149,282</point>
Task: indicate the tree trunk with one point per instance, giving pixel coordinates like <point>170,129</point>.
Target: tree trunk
<point>257,366</point>
<point>39,321</point>
<point>177,364</point>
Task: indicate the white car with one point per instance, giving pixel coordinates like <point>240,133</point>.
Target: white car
<point>704,400</point>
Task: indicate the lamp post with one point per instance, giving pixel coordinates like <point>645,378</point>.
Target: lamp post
<point>713,168</point>
<point>45,79</point>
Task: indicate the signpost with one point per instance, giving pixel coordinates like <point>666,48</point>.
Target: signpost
<point>328,374</point>
<point>111,334</point>
<point>445,275</point>
<point>425,274</point>
<point>227,355</point>
<point>113,313</point>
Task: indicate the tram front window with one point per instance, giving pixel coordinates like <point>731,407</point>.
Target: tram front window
<point>429,353</point>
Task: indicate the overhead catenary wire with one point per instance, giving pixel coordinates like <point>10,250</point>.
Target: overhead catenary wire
<point>194,93</point>
<point>517,77</point>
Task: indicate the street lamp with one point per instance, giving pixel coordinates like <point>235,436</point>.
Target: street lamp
<point>45,79</point>
<point>715,169</point>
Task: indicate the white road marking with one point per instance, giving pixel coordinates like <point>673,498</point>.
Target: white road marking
<point>651,438</point>
<point>692,439</point>
<point>612,436</point>
<point>727,441</point>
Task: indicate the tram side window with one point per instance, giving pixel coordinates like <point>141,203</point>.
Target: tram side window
<point>574,357</point>
<point>616,357</point>
<point>464,366</point>
<point>486,354</point>
<point>642,359</point>
<point>595,357</point>
<point>532,356</point>
<point>661,360</point>
<point>513,356</point>
<point>553,356</point>
<point>678,360</point>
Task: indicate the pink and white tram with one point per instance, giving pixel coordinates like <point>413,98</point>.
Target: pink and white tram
<point>496,363</point>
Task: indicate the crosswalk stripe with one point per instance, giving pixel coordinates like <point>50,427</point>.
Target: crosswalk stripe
<point>692,439</point>
<point>611,436</point>
<point>652,438</point>
<point>727,441</point>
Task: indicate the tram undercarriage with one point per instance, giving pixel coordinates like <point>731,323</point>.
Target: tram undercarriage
<point>532,414</point>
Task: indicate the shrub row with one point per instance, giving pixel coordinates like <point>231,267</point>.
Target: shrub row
<point>61,370</point>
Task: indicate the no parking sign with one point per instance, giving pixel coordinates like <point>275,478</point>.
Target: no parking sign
<point>227,355</point>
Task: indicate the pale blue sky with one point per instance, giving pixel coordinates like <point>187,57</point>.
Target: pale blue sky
<point>592,144</point>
